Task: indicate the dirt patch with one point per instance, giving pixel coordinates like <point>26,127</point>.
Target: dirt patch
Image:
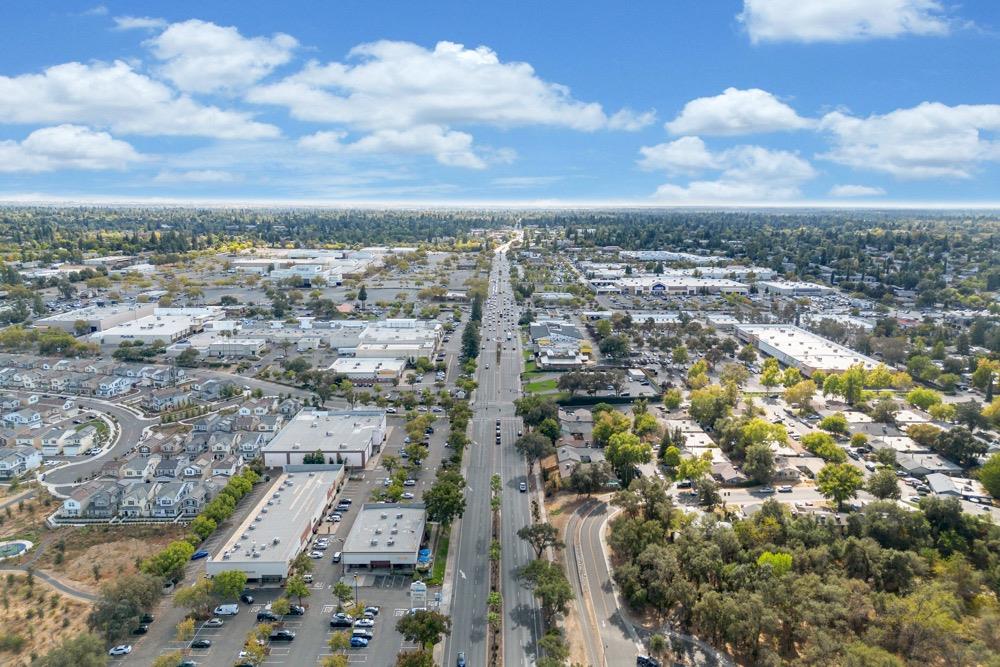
<point>116,550</point>
<point>35,618</point>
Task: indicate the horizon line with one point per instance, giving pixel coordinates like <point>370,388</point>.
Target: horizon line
<point>114,201</point>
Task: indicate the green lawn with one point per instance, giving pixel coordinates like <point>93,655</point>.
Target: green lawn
<point>530,367</point>
<point>440,561</point>
<point>540,386</point>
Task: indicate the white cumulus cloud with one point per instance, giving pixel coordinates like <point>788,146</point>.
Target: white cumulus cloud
<point>116,97</point>
<point>66,147</point>
<point>841,20</point>
<point>195,176</point>
<point>400,84</point>
<point>202,57</point>
<point>450,148</point>
<point>930,140</point>
<point>737,112</point>
<point>139,23</point>
<point>855,191</point>
<point>743,173</point>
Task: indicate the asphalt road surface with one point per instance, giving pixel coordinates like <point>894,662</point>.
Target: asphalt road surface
<point>499,385</point>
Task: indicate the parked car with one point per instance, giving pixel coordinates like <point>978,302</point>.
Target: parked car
<point>372,609</point>
<point>522,487</point>
<point>147,618</point>
<point>246,597</point>
<point>282,635</point>
<point>199,554</point>
<point>122,649</point>
<point>201,643</point>
<point>364,623</point>
<point>267,615</point>
<point>213,623</point>
<point>296,610</point>
<point>227,610</point>
<point>141,630</point>
<point>359,642</point>
<point>336,556</point>
<point>316,554</point>
<point>460,662</point>
<point>785,488</point>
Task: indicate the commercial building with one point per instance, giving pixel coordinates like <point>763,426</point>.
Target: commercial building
<point>793,288</point>
<point>369,370</point>
<point>385,537</point>
<point>797,347</point>
<point>347,437</point>
<point>150,329</point>
<point>97,318</point>
<point>683,285</point>
<point>280,525</point>
<point>670,256</point>
<point>214,344</point>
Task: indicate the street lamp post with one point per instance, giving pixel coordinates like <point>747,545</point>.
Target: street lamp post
<point>355,590</point>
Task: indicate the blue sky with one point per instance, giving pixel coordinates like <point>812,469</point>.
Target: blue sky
<point>854,102</point>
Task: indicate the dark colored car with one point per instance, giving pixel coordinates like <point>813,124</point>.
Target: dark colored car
<point>336,622</point>
<point>282,636</point>
<point>201,643</point>
<point>646,661</point>
<point>141,630</point>
<point>146,618</point>
<point>246,597</point>
<point>296,610</point>
<point>199,554</point>
<point>265,615</point>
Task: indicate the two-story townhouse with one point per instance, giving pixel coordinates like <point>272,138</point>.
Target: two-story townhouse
<point>24,417</point>
<point>168,499</point>
<point>137,500</point>
<point>139,467</point>
<point>169,467</point>
<point>97,499</point>
<point>195,499</point>
<point>224,444</point>
<point>228,466</point>
<point>52,441</point>
<point>15,461</point>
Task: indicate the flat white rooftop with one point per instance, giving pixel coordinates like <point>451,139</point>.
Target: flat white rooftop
<point>806,348</point>
<point>309,430</point>
<point>283,514</point>
<point>378,525</point>
<point>368,365</point>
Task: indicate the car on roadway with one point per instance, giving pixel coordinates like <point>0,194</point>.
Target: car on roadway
<point>460,662</point>
<point>199,554</point>
<point>408,496</point>
<point>786,488</point>
<point>522,487</point>
<point>201,643</point>
<point>121,649</point>
<point>766,489</point>
<point>359,642</point>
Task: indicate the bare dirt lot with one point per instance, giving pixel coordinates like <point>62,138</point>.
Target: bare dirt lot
<point>35,618</point>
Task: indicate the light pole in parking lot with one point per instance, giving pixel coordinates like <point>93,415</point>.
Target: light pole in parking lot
<point>355,589</point>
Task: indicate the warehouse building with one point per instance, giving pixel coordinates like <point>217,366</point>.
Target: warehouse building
<point>347,437</point>
<point>385,537</point>
<point>97,318</point>
<point>280,525</point>
<point>793,288</point>
<point>683,285</point>
<point>797,347</point>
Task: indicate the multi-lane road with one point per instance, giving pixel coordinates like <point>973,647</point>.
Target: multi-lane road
<point>498,378</point>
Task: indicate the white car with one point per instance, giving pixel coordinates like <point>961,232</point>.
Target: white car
<point>364,623</point>
<point>316,554</point>
<point>410,482</point>
<point>124,649</point>
<point>407,496</point>
<point>214,623</point>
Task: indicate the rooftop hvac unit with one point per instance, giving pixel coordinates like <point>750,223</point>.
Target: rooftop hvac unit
<point>263,510</point>
<point>399,515</point>
<point>252,527</point>
<point>225,556</point>
<point>270,502</point>
<point>243,536</point>
<point>390,543</point>
<point>276,540</point>
<point>258,518</point>
<point>393,531</point>
<point>384,515</point>
<point>255,555</point>
<point>374,543</point>
<point>378,531</point>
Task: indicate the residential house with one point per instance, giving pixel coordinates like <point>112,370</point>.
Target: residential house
<point>166,399</point>
<point>52,441</point>
<point>24,417</point>
<point>15,461</point>
<point>196,498</point>
<point>169,467</point>
<point>228,466</point>
<point>82,439</point>
<point>168,499</point>
<point>137,500</point>
<point>97,499</point>
<point>139,467</point>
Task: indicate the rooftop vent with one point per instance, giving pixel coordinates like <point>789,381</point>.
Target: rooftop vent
<point>374,542</point>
